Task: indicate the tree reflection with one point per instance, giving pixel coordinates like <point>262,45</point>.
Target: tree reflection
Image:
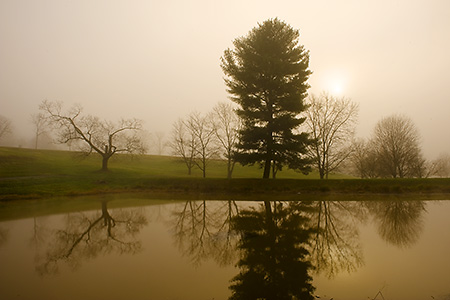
<point>399,222</point>
<point>274,252</point>
<point>202,230</point>
<point>87,236</point>
<point>335,243</point>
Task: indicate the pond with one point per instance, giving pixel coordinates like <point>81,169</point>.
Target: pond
<point>391,249</point>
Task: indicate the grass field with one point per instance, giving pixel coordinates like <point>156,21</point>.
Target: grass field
<point>15,162</point>
<point>26,174</point>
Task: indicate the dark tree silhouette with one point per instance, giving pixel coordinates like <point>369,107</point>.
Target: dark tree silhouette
<point>274,249</point>
<point>267,73</point>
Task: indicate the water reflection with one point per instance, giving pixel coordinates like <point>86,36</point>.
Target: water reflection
<point>202,230</point>
<point>336,245</point>
<point>278,247</point>
<point>281,245</point>
<point>399,222</point>
<point>88,235</point>
<point>4,235</point>
<point>274,253</point>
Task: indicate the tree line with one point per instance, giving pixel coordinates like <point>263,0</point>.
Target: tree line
<point>272,121</point>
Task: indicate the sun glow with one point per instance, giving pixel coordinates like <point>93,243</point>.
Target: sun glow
<point>335,82</point>
<point>337,89</point>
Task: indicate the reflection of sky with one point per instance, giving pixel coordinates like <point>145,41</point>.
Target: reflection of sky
<point>161,271</point>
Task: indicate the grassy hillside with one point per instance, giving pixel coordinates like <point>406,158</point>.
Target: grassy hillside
<point>26,174</point>
<point>17,162</point>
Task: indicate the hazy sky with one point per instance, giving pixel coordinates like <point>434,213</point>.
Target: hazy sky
<point>160,60</point>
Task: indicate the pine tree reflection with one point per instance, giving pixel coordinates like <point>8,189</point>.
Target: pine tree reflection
<point>87,236</point>
<point>202,230</point>
<point>399,222</point>
<point>335,243</point>
<point>274,257</point>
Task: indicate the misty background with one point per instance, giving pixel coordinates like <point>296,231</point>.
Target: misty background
<point>160,60</point>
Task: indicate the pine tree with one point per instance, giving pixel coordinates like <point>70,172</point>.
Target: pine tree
<point>267,73</point>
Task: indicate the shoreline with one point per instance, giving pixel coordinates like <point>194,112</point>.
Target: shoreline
<point>23,188</point>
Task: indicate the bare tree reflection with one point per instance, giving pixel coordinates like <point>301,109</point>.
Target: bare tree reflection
<point>399,222</point>
<point>40,233</point>
<point>202,230</point>
<point>88,235</point>
<point>336,246</point>
<point>274,252</point>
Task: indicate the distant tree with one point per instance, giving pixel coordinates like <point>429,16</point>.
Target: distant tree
<point>364,160</point>
<point>5,126</point>
<point>201,128</point>
<point>396,142</point>
<point>159,142</point>
<point>183,144</point>
<point>41,125</point>
<point>441,166</point>
<point>332,122</point>
<point>267,73</point>
<point>103,137</point>
<point>226,127</point>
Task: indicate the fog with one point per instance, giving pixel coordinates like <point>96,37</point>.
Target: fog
<point>160,60</point>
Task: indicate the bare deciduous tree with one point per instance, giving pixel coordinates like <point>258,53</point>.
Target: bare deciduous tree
<point>159,142</point>
<point>40,123</point>
<point>396,142</point>
<point>440,167</point>
<point>331,122</point>
<point>193,140</point>
<point>103,137</point>
<point>183,144</point>
<point>226,127</point>
<point>364,160</point>
<point>201,128</point>
<point>5,126</point>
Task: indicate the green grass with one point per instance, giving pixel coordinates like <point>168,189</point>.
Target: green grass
<point>28,174</point>
<point>18,162</point>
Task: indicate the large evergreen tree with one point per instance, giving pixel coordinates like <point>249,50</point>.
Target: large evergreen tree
<point>267,73</point>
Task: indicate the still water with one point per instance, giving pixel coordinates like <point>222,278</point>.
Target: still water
<point>231,250</point>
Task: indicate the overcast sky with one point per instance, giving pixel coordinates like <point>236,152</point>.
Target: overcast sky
<point>160,60</point>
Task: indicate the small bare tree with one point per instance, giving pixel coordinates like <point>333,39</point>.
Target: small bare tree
<point>440,167</point>
<point>40,123</point>
<point>203,131</point>
<point>193,141</point>
<point>159,141</point>
<point>103,137</point>
<point>183,144</point>
<point>364,159</point>
<point>226,128</point>
<point>331,122</point>
<point>5,126</point>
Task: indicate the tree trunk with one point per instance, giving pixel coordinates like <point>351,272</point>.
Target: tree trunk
<point>105,159</point>
<point>229,168</point>
<point>267,170</point>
